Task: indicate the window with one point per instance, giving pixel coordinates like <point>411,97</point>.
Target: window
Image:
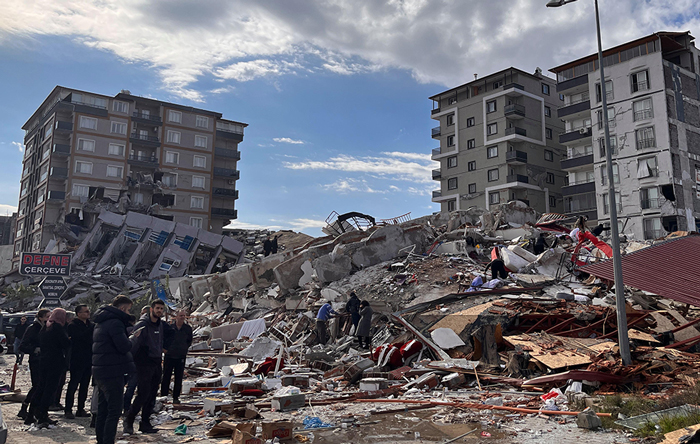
<point>115,171</point>
<point>471,143</point>
<point>450,119</point>
<point>451,205</point>
<point>549,155</point>
<point>611,118</point>
<point>196,202</point>
<point>48,130</point>
<point>640,81</point>
<point>138,198</point>
<point>47,151</point>
<point>173,137</point>
<point>172,157</point>
<point>649,198</point>
<point>550,178</point>
<point>613,144</point>
<point>452,162</point>
<point>118,128</point>
<point>200,141</point>
<point>88,122</point>
<point>199,161</point>
<point>492,152</point>
<point>493,175</point>
<point>645,137</point>
<point>175,116</point>
<point>494,198</point>
<point>83,167</point>
<point>120,107</point>
<point>545,89</point>
<point>492,128</point>
<point>548,133</point>
<point>647,167</point>
<point>642,109</point>
<point>470,122</point>
<point>604,174</point>
<point>653,229</point>
<point>170,180</point>
<point>491,106</point>
<point>452,183</point>
<point>197,181</point>
<point>471,166</point>
<point>450,140</point>
<point>80,190</point>
<point>472,188</point>
<point>196,221</point>
<point>202,122</point>
<point>86,145</point>
<point>552,202</point>
<point>41,195</point>
<point>547,111</point>
<point>608,91</point>
<point>606,203</point>
<point>83,99</point>
<point>497,84</point>
<point>452,100</point>
<point>561,97</point>
<point>116,149</point>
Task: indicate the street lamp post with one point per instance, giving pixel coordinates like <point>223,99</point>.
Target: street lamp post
<point>617,260</point>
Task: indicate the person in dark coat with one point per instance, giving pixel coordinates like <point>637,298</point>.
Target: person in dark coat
<point>274,246</point>
<point>55,347</point>
<point>353,307</point>
<point>147,348</point>
<point>111,364</point>
<point>178,339</point>
<point>540,245</point>
<point>19,334</point>
<point>498,269</point>
<point>30,346</point>
<point>364,328</point>
<point>267,246</point>
<point>80,332</point>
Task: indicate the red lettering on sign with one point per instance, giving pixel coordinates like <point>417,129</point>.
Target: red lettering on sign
<point>37,259</point>
<point>45,260</point>
<point>55,261</point>
<point>27,259</point>
<point>64,261</point>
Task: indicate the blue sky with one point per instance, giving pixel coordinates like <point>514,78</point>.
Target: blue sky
<point>335,94</point>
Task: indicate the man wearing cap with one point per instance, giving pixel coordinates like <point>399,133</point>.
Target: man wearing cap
<point>324,313</point>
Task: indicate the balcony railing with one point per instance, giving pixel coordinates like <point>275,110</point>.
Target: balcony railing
<point>224,152</point>
<point>653,234</point>
<point>57,195</point>
<point>436,152</point>
<point>437,194</point>
<point>646,143</point>
<point>437,174</point>
<point>516,156</point>
<point>514,109</point>
<point>514,85</point>
<point>60,148</point>
<point>151,160</point>
<point>435,132</point>
<point>515,130</point>
<point>226,212</point>
<point>583,98</point>
<point>643,114</point>
<point>227,172</point>
<point>63,126</point>
<point>149,117</point>
<point>611,124</point>
<point>225,192</point>
<point>517,178</point>
<point>575,134</point>
<point>145,137</point>
<point>92,105</point>
<point>59,173</point>
<point>651,203</point>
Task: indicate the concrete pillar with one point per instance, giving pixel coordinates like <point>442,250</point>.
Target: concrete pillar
<point>214,259</point>
<point>136,257</point>
<point>95,232</point>
<point>118,240</point>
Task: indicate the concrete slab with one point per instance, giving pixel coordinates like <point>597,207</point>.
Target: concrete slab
<point>446,338</point>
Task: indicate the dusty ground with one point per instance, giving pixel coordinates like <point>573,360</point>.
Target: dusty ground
<point>435,425</point>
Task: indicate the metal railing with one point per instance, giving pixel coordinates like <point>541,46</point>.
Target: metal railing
<point>88,104</point>
<point>579,152</point>
<point>516,130</point>
<point>437,194</point>
<point>151,117</point>
<point>147,159</point>
<point>585,98</point>
<point>642,86</point>
<point>646,143</point>
<point>145,137</point>
<point>435,131</point>
<point>611,124</point>
<point>653,234</point>
<point>643,114</point>
<point>650,203</point>
<point>514,109</point>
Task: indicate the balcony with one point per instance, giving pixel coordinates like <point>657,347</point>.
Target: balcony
<point>585,187</point>
<point>145,140</point>
<point>643,114</point>
<point>575,109</point>
<point>646,143</point>
<point>577,161</point>
<point>229,154</point>
<point>143,161</point>
<point>581,82</point>
<point>227,173</point>
<point>517,178</point>
<point>437,175</point>
<point>516,157</point>
<point>224,213</point>
<point>225,192</point>
<point>654,234</point>
<point>146,118</point>
<point>61,149</point>
<point>435,111</point>
<point>229,133</point>
<point>514,111</point>
<point>435,132</point>
<point>516,131</point>
<point>59,173</point>
<point>63,126</point>
<point>57,195</point>
<point>436,152</point>
<point>513,89</point>
<point>437,194</point>
<point>576,134</point>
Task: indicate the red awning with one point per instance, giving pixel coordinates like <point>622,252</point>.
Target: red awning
<point>670,269</point>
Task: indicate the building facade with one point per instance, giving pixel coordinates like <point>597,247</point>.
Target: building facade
<point>86,151</point>
<point>7,229</point>
<point>653,93</point>
<point>498,143</point>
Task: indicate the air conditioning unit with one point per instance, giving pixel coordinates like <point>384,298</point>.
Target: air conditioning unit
<point>176,263</point>
<point>231,182</point>
<point>583,130</point>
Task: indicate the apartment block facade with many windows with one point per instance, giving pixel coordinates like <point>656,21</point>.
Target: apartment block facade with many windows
<point>498,142</point>
<point>653,91</point>
<point>86,151</point>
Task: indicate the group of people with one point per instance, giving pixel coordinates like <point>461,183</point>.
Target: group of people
<point>114,350</point>
<point>360,315</point>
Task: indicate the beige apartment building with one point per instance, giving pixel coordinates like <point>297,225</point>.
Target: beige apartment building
<point>498,140</point>
<point>87,151</point>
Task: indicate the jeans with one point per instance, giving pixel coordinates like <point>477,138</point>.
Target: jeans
<point>130,390</point>
<point>18,353</point>
<point>109,408</point>
<point>322,331</point>
<point>170,365</point>
<point>79,376</point>
<point>148,383</point>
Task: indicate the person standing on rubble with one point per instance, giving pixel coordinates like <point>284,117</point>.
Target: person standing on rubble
<point>364,328</point>
<point>55,347</point>
<point>19,334</point>
<point>30,346</point>
<point>274,245</point>
<point>111,365</point>
<point>497,266</point>
<point>147,349</point>
<point>267,246</point>
<point>178,339</point>
<point>353,307</point>
<point>579,227</point>
<point>324,314</point>
<point>80,332</point>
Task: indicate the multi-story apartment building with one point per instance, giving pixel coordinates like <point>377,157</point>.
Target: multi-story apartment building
<point>85,151</point>
<point>653,93</point>
<point>7,229</point>
<point>498,142</point>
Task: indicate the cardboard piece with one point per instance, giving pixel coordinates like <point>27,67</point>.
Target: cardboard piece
<point>282,430</point>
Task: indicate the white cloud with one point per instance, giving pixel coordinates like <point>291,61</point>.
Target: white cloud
<point>222,90</point>
<point>288,140</point>
<point>302,224</point>
<point>348,185</point>
<point>7,209</point>
<point>19,145</point>
<point>410,156</point>
<point>441,42</point>
<point>294,224</point>
<point>250,226</point>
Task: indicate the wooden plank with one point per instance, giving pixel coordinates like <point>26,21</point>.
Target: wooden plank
<point>567,355</point>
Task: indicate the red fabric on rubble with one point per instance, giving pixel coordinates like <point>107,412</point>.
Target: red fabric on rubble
<point>268,366</point>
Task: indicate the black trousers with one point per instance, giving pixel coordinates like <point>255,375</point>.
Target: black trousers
<point>110,398</point>
<point>146,391</point>
<point>35,373</point>
<point>177,366</point>
<point>45,397</point>
<point>59,389</point>
<point>322,331</point>
<point>79,377</point>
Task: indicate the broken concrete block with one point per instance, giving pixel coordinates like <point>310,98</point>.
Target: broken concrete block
<point>199,346</point>
<point>446,338</point>
<point>498,400</point>
<point>308,270</point>
<point>454,380</point>
<point>295,380</point>
<point>332,267</point>
<point>428,380</point>
<point>217,344</point>
<point>373,384</point>
<point>587,419</point>
<point>354,373</point>
<point>288,402</point>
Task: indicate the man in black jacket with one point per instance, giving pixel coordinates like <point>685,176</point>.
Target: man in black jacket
<point>80,331</point>
<point>111,363</point>
<point>30,346</point>
<point>147,349</point>
<point>178,339</point>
